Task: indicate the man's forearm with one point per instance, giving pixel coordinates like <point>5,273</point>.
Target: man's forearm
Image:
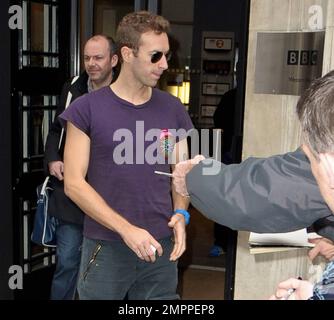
<point>179,202</point>
<point>90,202</point>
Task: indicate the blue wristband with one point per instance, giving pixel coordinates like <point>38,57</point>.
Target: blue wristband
<point>185,213</point>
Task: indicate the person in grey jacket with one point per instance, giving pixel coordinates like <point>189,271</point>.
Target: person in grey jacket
<point>315,111</point>
<point>277,194</point>
<point>274,194</point>
<point>99,61</point>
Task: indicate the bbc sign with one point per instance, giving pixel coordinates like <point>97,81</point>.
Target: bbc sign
<point>287,62</point>
<point>303,57</point>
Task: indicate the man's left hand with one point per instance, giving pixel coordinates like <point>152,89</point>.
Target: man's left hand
<point>177,222</point>
<point>324,247</point>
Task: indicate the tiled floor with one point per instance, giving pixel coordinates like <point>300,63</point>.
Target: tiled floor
<point>200,277</point>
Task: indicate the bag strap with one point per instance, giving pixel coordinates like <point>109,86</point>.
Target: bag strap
<point>45,183</point>
<point>68,101</point>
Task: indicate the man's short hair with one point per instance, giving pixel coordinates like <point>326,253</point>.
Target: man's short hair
<point>134,24</point>
<point>315,110</point>
<point>110,40</point>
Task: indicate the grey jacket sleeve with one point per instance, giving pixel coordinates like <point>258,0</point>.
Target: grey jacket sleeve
<point>275,194</point>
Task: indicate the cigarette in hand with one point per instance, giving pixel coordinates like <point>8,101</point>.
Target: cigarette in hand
<point>163,173</point>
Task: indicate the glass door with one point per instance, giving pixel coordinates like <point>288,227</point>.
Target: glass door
<point>40,67</point>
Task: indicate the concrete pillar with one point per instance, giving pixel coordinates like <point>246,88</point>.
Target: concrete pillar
<point>271,127</point>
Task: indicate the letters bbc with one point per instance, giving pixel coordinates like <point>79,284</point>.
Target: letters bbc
<point>302,57</point>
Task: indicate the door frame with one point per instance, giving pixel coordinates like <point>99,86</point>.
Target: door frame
<point>31,81</point>
<point>6,225</point>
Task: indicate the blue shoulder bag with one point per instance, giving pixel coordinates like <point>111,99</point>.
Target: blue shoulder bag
<point>44,231</point>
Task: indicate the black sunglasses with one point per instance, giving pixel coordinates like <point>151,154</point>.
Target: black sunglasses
<point>156,56</point>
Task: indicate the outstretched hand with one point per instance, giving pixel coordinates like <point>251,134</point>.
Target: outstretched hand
<point>302,290</point>
<point>179,174</point>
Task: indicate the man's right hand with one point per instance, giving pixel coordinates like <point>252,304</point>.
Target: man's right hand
<point>180,171</point>
<point>56,168</point>
<point>140,241</point>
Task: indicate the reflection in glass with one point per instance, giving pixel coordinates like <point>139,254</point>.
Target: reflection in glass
<point>25,135</point>
<point>107,15</point>
<point>37,27</point>
<point>26,233</point>
<point>54,33</point>
<point>35,127</point>
<point>40,34</point>
<point>37,116</point>
<point>24,32</point>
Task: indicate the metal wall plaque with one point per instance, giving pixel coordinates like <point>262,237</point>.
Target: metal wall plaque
<point>207,110</point>
<point>286,63</point>
<point>215,88</point>
<point>218,43</point>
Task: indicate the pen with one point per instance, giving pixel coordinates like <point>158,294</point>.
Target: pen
<point>290,292</point>
<point>163,173</point>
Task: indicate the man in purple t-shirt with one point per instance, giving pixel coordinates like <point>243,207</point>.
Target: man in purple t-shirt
<point>117,137</point>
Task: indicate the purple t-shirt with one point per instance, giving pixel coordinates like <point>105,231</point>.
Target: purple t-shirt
<point>128,143</point>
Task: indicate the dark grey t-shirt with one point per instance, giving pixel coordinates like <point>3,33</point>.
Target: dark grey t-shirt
<point>128,143</point>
